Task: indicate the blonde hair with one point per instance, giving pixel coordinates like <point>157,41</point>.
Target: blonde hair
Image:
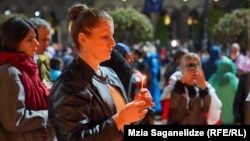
<point>188,56</point>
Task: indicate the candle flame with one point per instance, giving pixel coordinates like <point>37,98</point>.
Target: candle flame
<point>142,81</point>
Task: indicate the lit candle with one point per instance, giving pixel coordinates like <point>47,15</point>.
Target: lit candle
<point>142,81</point>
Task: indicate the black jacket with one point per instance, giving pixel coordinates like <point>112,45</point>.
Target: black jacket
<point>119,64</point>
<point>240,104</point>
<point>80,105</point>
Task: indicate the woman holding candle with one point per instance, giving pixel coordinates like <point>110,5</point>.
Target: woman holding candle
<point>88,101</point>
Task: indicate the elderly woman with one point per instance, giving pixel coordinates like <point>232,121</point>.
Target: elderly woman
<point>192,100</point>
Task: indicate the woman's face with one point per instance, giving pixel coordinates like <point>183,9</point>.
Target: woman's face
<point>99,45</point>
<point>29,44</point>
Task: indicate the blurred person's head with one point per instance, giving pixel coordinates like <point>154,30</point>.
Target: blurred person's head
<point>44,33</point>
<point>137,53</point>
<point>56,63</point>
<point>190,62</point>
<point>235,49</point>
<point>178,55</point>
<point>215,52</point>
<point>125,51</point>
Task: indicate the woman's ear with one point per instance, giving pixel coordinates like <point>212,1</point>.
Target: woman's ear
<point>81,38</point>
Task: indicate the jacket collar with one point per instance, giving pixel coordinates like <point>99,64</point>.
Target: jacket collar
<point>81,66</point>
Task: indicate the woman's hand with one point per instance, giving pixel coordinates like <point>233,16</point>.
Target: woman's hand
<point>194,77</point>
<point>135,110</point>
<point>189,78</point>
<point>200,80</point>
<point>132,112</point>
<point>144,94</point>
